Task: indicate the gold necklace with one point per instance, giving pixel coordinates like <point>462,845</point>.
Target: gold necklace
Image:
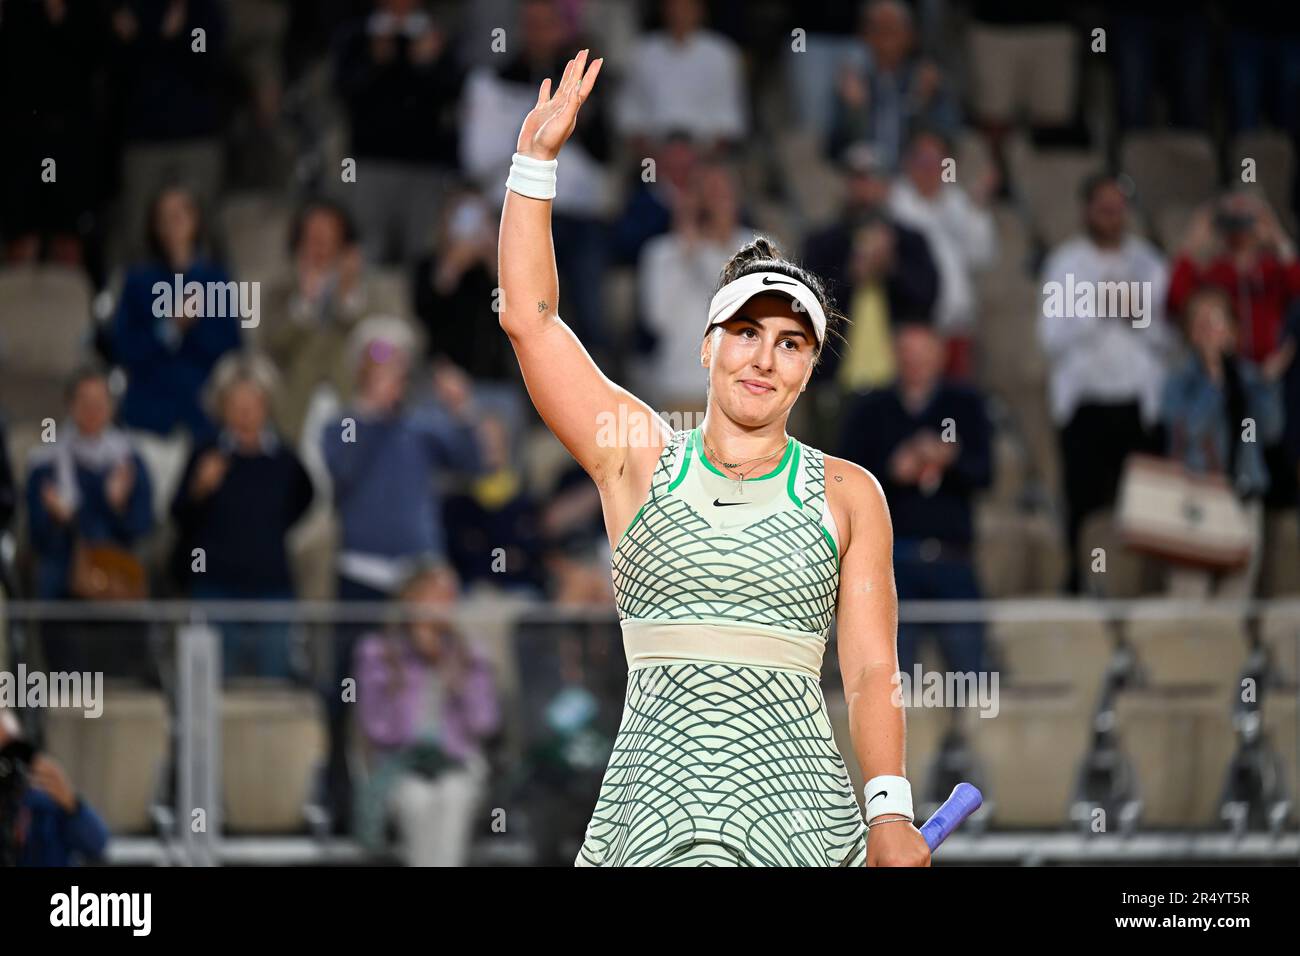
<point>734,466</point>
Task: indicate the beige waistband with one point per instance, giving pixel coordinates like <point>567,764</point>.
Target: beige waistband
<point>647,643</point>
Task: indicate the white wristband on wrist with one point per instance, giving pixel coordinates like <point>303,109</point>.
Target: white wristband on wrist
<point>534,178</point>
<point>887,794</point>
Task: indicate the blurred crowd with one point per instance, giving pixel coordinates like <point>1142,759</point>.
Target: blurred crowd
<point>369,437</point>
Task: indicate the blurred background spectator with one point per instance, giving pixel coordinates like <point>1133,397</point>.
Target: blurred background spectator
<point>880,102</point>
<point>382,460</point>
<point>959,229</point>
<point>168,358</point>
<point>1219,410</point>
<point>493,533</point>
<point>428,700</point>
<point>87,488</point>
<point>43,820</point>
<point>238,497</point>
<point>1107,367</point>
<point>59,122</point>
<point>168,102</point>
<point>310,313</point>
<point>399,79</point>
<point>677,276</point>
<point>685,77</point>
<point>927,441</point>
<point>496,102</point>
<point>455,298</point>
<point>878,270</point>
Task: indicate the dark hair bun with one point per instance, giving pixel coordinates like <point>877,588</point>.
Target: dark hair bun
<point>760,249</point>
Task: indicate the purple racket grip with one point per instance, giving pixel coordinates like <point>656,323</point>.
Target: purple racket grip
<point>964,800</point>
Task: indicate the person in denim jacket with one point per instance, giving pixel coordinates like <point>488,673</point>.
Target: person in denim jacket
<point>1220,411</point>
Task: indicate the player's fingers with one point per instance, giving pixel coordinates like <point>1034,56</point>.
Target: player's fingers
<point>563,88</point>
<point>544,91</point>
<point>589,80</point>
<point>579,64</point>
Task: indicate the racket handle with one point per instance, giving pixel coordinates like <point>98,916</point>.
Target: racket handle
<point>964,800</point>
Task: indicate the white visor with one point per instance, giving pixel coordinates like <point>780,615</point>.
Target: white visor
<point>732,296</point>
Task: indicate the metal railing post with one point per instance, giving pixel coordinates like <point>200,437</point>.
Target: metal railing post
<point>198,661</point>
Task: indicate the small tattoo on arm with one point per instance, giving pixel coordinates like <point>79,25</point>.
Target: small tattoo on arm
<point>541,306</point>
<point>839,477</point>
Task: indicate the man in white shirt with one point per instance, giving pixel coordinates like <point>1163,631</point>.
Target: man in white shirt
<point>683,77</point>
<point>1103,330</point>
<point>678,274</point>
<point>957,224</point>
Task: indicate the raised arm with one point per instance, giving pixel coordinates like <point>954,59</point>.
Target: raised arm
<point>569,391</point>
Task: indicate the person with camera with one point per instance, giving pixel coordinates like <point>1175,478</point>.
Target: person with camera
<point>43,821</point>
<point>1238,245</point>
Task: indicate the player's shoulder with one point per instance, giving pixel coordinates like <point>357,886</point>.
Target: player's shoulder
<point>857,501</point>
<point>858,485</point>
<point>852,478</point>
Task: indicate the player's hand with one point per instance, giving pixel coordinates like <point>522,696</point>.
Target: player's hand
<point>897,844</point>
<point>552,120</point>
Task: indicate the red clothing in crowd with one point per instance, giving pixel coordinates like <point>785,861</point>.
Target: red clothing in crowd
<point>1260,300</point>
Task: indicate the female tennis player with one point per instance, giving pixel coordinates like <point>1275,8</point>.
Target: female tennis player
<point>734,544</point>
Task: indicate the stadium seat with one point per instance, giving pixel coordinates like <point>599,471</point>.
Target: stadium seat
<point>1010,469</point>
<point>255,229</point>
<point>1280,634</point>
<point>1179,741</point>
<point>392,287</point>
<point>45,323</point>
<point>816,187</point>
<point>1029,418</point>
<point>1071,652</point>
<point>1128,574</point>
<point>272,742</point>
<point>1018,552</point>
<point>116,760</point>
<point>1013,240</point>
<point>620,300</point>
<point>1169,167</point>
<point>311,545</point>
<point>1049,181</point>
<point>1170,226</point>
<point>974,158</point>
<point>1280,723</point>
<point>1279,572</point>
<point>1201,648</point>
<point>164,458</point>
<point>1009,354</point>
<point>1274,159</point>
<point>1029,754</point>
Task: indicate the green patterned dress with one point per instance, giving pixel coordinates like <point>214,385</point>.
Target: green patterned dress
<point>725,754</point>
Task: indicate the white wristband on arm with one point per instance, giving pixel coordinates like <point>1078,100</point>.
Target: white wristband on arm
<point>887,794</point>
<point>534,178</point>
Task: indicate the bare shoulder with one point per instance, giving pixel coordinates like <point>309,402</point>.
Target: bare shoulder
<point>855,498</point>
